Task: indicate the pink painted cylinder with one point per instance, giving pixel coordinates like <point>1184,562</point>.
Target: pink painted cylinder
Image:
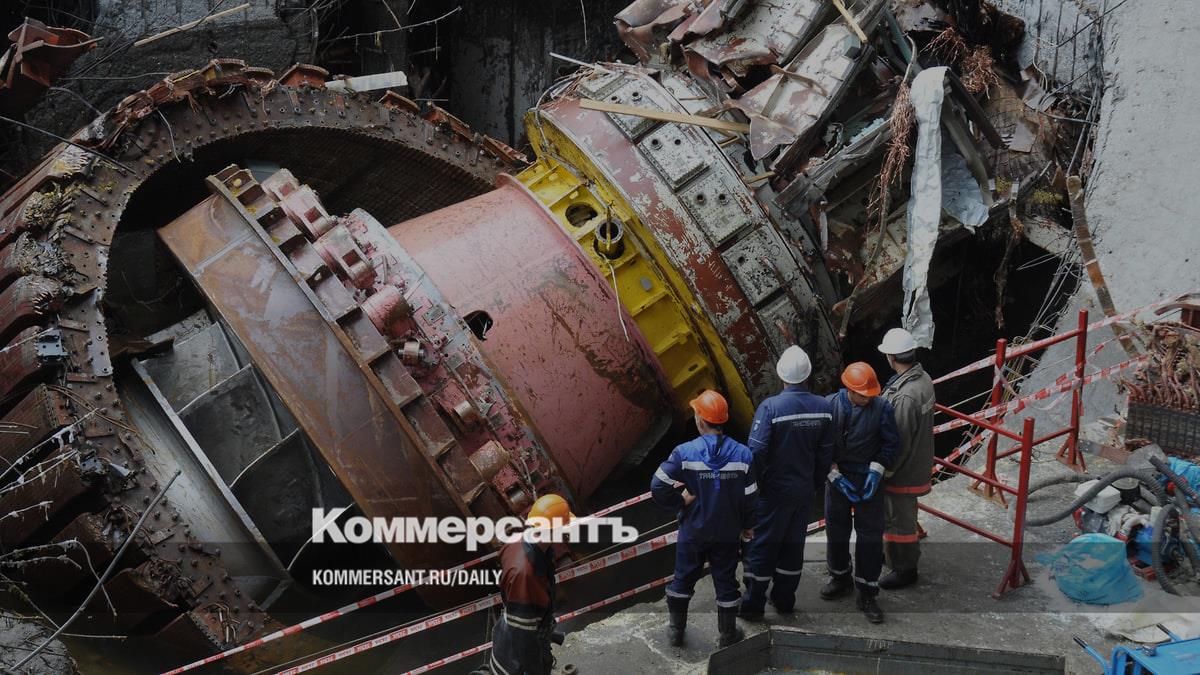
<point>556,338</point>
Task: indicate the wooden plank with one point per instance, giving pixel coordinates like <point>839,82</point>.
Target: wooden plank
<point>664,116</point>
<point>1083,239</point>
<point>191,24</point>
<point>862,37</point>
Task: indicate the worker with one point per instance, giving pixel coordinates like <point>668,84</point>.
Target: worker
<point>910,391</point>
<point>521,639</point>
<point>792,442</point>
<point>865,442</point>
<point>716,509</point>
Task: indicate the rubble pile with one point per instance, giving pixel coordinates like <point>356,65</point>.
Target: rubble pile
<point>825,89</point>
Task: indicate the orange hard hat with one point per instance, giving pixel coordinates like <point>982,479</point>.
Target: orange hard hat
<point>552,508</point>
<point>860,378</point>
<point>711,407</point>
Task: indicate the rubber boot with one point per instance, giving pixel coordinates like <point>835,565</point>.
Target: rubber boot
<point>870,608</point>
<point>727,626</point>
<point>677,611</point>
<point>897,579</point>
<point>837,587</point>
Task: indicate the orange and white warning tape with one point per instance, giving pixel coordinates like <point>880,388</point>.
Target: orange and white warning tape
<point>466,653</point>
<point>1064,383</point>
<point>486,603</point>
<point>990,361</point>
<point>366,602</point>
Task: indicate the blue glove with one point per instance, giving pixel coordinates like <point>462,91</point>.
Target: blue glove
<point>874,476</point>
<point>843,485</point>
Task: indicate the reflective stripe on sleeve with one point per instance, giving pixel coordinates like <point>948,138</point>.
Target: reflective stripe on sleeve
<point>803,416</point>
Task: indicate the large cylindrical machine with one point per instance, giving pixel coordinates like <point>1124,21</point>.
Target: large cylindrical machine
<point>412,333</point>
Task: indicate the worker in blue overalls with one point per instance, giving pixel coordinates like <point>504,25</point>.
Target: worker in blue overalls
<point>715,511</point>
<point>792,442</point>
<point>865,443</point>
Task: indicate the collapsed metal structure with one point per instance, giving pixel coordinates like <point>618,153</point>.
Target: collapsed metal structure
<point>203,280</point>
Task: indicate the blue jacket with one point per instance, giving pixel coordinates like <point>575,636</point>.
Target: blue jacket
<point>863,435</point>
<point>717,470</point>
<point>792,442</point>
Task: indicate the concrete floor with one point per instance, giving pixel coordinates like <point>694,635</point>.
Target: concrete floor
<point>1141,196</point>
<point>952,603</point>
<point>1143,182</point>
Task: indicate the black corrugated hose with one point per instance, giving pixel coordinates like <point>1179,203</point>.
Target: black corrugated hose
<point>1143,477</point>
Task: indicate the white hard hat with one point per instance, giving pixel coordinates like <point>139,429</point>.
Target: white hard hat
<point>794,366</point>
<point>897,341</point>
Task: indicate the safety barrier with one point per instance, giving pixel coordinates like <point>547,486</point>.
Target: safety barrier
<point>1069,453</point>
<point>1015,575</point>
<point>1075,381</point>
<point>466,653</point>
<point>368,601</point>
<point>991,419</point>
<point>490,601</point>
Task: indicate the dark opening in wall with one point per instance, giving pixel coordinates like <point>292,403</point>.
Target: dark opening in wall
<point>964,312</point>
<point>578,214</point>
<point>480,322</point>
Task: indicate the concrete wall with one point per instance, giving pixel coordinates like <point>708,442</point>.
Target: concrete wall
<point>271,33</point>
<point>1058,33</point>
<point>1142,199</point>
<point>500,54</point>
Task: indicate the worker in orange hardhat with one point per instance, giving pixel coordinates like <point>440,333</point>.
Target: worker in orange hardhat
<point>864,445</point>
<point>523,635</point>
<point>716,509</point>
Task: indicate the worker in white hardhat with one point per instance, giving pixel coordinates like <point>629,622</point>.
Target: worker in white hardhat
<point>910,391</point>
<point>792,443</point>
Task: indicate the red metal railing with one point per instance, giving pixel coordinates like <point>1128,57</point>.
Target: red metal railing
<point>1069,454</point>
<point>1015,575</point>
<point>991,419</point>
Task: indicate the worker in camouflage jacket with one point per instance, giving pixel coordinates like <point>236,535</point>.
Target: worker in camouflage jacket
<point>910,391</point>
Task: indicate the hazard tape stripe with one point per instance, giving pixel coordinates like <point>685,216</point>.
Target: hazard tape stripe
<point>327,616</point>
<point>562,617</point>
<point>466,653</point>
<point>990,361</point>
<point>486,603</point>
<point>620,505</point>
<point>1065,383</point>
<point>366,602</point>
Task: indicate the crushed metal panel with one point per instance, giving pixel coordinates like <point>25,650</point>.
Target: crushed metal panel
<point>769,33</point>
<point>754,259</point>
<point>787,106</point>
<point>39,55</point>
<point>636,93</point>
<point>673,149</point>
<point>717,203</point>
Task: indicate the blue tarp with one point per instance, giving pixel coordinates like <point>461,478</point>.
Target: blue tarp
<point>1186,470</point>
<point>1093,569</point>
